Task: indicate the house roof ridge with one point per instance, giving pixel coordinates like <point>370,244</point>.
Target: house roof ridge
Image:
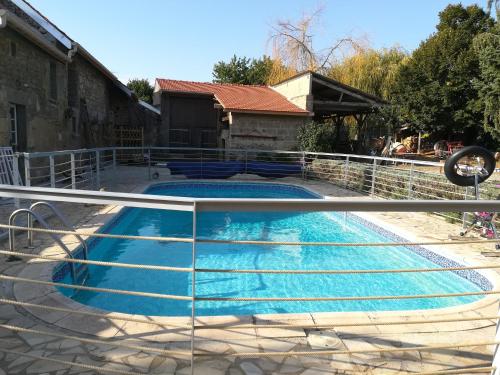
<point>213,83</point>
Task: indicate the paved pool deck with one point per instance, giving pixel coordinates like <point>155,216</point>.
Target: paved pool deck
<point>168,335</point>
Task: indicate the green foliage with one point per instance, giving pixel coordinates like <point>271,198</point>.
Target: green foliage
<point>316,137</point>
<point>142,88</point>
<point>434,89</point>
<point>373,71</point>
<point>487,47</point>
<point>243,70</point>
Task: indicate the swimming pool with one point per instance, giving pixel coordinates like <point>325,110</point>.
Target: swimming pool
<point>285,226</point>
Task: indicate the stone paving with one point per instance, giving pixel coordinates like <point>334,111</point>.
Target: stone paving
<point>248,340</point>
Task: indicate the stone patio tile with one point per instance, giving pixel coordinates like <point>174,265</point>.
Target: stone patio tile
<point>404,328</point>
<point>153,332</point>
<point>27,292</point>
<point>280,332</point>
<point>162,365</point>
<point>278,344</point>
<point>91,325</point>
<point>229,334</point>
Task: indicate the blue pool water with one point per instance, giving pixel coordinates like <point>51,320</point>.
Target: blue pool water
<point>288,226</point>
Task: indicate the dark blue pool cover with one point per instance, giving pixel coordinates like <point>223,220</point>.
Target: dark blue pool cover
<point>226,169</point>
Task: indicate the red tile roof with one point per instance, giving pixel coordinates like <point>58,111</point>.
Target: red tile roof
<point>237,98</point>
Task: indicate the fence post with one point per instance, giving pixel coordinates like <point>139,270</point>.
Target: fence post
<point>246,162</point>
<point>373,176</point>
<point>73,172</point>
<point>303,162</point>
<point>410,182</point>
<point>496,353</point>
<point>464,214</point>
<point>97,169</point>
<point>27,171</point>
<point>346,171</point>
<point>16,179</point>
<point>114,159</point>
<point>52,172</point>
<point>193,290</point>
<point>149,163</point>
<point>201,163</point>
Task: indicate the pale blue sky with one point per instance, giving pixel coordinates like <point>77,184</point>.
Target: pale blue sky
<point>183,39</point>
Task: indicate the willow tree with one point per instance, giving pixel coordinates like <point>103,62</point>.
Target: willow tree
<point>373,71</point>
<point>293,47</point>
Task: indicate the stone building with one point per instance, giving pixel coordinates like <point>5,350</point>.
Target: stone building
<point>53,93</point>
<point>200,114</point>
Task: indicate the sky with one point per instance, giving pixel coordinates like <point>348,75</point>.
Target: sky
<point>183,39</point>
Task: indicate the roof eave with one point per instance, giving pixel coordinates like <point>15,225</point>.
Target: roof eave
<point>9,19</point>
<point>264,112</point>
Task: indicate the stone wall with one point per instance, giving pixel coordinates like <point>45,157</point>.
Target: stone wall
<point>127,112</point>
<point>264,132</point>
<point>89,103</point>
<point>87,107</point>
<point>24,80</point>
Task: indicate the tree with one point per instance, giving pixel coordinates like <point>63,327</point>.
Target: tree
<point>434,89</point>
<point>316,137</point>
<point>373,71</point>
<point>487,47</point>
<point>142,89</point>
<point>243,70</point>
<point>293,50</point>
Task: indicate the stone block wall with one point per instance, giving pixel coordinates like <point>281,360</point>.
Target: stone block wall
<point>264,132</point>
<point>24,80</point>
<point>87,106</point>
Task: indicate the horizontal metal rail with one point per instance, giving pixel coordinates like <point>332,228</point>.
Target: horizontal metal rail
<point>244,205</point>
<point>249,242</point>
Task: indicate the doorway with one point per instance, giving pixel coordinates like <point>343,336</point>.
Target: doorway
<point>18,131</point>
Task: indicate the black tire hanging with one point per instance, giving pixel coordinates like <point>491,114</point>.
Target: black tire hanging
<point>451,172</point>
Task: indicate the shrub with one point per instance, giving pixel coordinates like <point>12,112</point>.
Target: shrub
<point>316,137</point>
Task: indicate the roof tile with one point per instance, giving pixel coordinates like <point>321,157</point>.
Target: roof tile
<point>236,97</point>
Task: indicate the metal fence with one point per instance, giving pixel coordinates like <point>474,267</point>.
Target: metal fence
<point>387,178</point>
<point>197,206</point>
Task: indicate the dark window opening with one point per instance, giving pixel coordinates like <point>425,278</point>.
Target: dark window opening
<point>17,127</point>
<point>208,138</point>
<point>74,126</point>
<point>179,137</point>
<point>13,125</point>
<point>53,80</point>
<point>13,49</point>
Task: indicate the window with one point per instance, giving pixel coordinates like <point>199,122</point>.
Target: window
<point>208,138</point>
<point>74,126</point>
<point>13,49</point>
<point>13,124</point>
<point>179,137</point>
<point>53,80</point>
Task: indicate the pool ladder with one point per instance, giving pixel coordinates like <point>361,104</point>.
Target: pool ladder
<point>79,272</point>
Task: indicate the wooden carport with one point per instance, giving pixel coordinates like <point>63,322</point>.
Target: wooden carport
<point>335,100</point>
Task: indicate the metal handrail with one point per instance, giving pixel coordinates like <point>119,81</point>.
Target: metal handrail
<point>63,220</point>
<point>298,153</point>
<point>244,204</point>
<point>45,225</point>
